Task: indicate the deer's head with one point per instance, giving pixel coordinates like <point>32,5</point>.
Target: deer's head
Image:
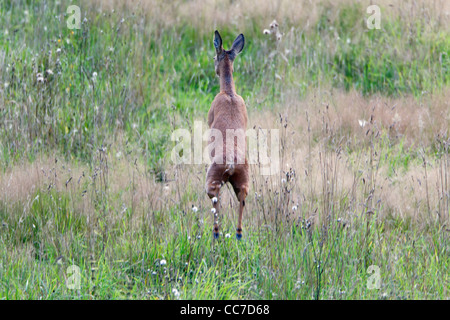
<point>223,61</point>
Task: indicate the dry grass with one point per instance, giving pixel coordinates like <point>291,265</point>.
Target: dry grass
<point>205,15</point>
<point>334,119</point>
<point>418,121</point>
<point>354,182</point>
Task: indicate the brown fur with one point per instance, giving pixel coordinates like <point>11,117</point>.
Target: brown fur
<point>228,111</point>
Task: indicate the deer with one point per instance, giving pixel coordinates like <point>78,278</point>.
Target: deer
<point>227,115</point>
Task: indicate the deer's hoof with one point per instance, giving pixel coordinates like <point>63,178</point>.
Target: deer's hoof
<point>239,234</point>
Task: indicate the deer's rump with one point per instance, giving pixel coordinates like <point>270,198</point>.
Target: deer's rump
<point>227,146</point>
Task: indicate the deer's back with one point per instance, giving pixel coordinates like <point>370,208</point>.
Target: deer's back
<point>229,112</point>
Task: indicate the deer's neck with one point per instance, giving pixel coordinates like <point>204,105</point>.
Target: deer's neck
<point>226,79</point>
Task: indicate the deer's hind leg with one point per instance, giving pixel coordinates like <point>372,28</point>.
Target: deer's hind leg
<point>213,184</point>
<point>240,181</point>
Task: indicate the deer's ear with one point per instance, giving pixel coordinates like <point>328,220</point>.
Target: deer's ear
<point>218,42</point>
<point>238,45</point>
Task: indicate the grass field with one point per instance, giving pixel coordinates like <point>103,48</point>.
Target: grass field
<point>359,209</point>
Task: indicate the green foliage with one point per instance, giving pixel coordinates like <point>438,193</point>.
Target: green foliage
<point>145,70</point>
<point>117,261</point>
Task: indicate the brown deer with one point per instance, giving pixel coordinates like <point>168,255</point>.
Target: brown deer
<point>227,116</point>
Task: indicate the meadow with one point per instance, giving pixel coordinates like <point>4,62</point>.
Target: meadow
<point>359,208</point>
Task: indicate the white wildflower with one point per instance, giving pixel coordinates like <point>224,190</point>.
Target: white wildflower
<point>195,209</point>
<point>163,262</point>
<point>276,35</point>
<point>227,235</point>
<point>176,293</point>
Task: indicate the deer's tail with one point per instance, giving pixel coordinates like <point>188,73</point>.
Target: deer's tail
<point>229,170</point>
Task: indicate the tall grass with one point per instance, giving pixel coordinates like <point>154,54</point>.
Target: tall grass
<point>148,72</point>
<point>307,235</point>
<point>85,123</point>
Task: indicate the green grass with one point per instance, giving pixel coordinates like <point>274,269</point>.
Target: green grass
<point>153,78</point>
<point>117,261</point>
<point>148,74</point>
